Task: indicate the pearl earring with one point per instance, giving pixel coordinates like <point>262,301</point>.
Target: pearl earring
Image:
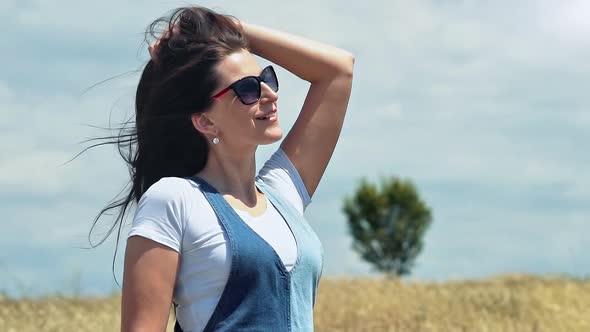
<point>216,140</point>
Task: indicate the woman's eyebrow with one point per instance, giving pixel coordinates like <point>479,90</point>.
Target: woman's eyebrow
<point>259,74</point>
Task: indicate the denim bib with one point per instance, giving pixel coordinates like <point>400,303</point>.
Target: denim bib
<point>260,294</point>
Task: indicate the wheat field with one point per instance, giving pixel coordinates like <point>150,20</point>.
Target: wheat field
<point>506,303</point>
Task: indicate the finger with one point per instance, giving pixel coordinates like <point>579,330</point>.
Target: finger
<point>152,48</point>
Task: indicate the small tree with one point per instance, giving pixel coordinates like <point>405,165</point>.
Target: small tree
<point>387,225</point>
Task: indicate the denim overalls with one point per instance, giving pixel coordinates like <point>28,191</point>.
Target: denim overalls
<point>260,294</point>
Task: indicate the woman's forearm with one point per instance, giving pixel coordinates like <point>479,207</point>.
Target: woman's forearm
<point>310,60</point>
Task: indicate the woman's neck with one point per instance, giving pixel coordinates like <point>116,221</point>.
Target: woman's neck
<point>232,174</point>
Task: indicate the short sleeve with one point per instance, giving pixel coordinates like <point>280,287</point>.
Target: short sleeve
<point>159,214</point>
<point>280,174</point>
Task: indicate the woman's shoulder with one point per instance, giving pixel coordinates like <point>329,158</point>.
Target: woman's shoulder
<point>281,175</point>
<point>171,211</point>
<point>173,191</point>
<point>161,212</point>
<point>167,189</point>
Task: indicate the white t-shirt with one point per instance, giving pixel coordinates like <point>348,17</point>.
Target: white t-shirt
<point>175,213</point>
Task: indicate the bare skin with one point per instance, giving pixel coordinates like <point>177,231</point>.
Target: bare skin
<point>150,268</point>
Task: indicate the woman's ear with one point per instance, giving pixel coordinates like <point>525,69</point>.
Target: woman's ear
<point>203,123</point>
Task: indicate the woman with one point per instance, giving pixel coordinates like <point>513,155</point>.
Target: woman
<point>228,247</point>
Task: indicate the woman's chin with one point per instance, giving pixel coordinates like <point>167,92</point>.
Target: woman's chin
<point>272,135</point>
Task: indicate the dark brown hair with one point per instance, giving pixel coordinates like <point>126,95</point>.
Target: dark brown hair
<point>175,84</point>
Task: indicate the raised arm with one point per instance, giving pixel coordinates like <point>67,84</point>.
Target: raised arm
<point>311,141</point>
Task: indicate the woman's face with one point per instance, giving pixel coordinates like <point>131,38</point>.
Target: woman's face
<point>235,122</point>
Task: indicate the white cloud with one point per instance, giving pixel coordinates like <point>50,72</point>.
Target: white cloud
<point>390,112</point>
<point>42,135</point>
<point>569,21</point>
<point>5,92</point>
<point>33,172</point>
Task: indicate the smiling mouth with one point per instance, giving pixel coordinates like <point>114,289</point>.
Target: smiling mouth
<point>270,116</point>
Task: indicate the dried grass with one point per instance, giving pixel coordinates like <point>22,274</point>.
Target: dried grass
<point>509,303</point>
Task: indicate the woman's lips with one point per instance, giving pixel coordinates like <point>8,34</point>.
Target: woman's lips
<point>271,116</point>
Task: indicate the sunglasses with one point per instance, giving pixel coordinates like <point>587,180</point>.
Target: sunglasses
<point>248,89</point>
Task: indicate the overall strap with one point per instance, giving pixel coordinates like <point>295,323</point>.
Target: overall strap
<point>256,296</point>
<point>306,273</point>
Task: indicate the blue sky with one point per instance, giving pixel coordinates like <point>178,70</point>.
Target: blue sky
<point>484,105</point>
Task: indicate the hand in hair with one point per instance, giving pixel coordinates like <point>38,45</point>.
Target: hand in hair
<point>153,48</point>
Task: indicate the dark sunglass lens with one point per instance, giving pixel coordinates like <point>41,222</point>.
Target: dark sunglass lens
<point>248,90</point>
<point>270,78</point>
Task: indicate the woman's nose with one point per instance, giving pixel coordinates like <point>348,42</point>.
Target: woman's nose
<point>268,93</point>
